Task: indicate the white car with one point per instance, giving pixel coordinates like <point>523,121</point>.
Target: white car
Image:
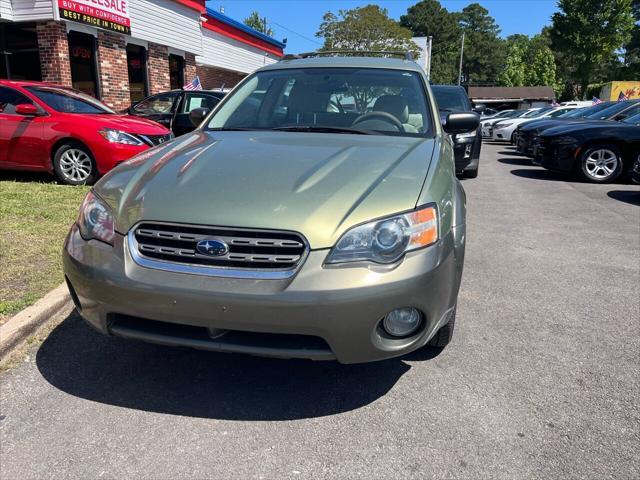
<point>504,129</point>
<point>487,125</point>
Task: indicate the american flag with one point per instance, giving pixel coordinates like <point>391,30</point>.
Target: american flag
<point>193,85</point>
<point>596,101</point>
<point>622,97</point>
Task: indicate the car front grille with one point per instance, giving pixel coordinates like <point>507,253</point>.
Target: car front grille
<point>248,249</point>
<point>154,140</point>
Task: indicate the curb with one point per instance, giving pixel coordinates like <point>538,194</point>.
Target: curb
<point>18,328</point>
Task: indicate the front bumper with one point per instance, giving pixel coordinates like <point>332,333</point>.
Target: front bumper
<point>467,151</point>
<point>340,306</point>
<point>502,135</point>
<point>110,155</point>
<point>560,158</point>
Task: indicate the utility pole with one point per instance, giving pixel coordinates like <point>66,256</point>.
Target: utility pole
<point>429,50</point>
<point>461,53</point>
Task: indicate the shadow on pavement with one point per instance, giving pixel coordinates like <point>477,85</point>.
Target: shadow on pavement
<point>513,152</point>
<point>627,196</point>
<point>516,161</point>
<point>180,381</point>
<point>540,174</point>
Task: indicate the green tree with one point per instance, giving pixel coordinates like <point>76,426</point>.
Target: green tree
<point>631,69</point>
<point>364,28</point>
<point>258,23</point>
<point>429,18</point>
<point>587,33</point>
<point>540,66</point>
<point>484,52</point>
<point>515,69</point>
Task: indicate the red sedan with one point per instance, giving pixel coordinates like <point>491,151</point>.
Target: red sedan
<point>62,131</point>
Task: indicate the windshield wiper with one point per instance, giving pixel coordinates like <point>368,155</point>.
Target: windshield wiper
<point>321,129</point>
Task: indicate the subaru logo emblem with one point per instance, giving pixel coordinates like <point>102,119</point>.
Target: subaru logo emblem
<point>212,247</point>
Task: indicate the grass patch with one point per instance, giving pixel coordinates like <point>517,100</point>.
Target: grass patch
<point>35,216</point>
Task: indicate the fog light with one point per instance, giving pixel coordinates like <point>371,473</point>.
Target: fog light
<point>402,322</point>
<point>467,150</point>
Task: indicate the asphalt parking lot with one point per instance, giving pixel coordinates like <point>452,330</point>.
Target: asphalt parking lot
<point>541,380</point>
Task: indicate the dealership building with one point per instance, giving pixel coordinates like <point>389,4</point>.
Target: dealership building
<point>121,51</point>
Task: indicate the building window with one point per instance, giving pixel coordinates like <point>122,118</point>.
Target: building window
<point>19,56</point>
<point>176,71</point>
<point>137,66</point>
<point>82,57</point>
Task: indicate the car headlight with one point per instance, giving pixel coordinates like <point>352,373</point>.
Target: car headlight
<point>466,135</point>
<point>95,220</point>
<point>118,136</point>
<point>504,125</point>
<point>388,239</point>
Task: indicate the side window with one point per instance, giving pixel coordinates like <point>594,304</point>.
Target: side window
<point>628,113</point>
<point>9,98</point>
<point>198,100</point>
<point>158,104</point>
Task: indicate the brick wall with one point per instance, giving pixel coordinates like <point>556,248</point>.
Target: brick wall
<point>54,52</point>
<point>158,65</point>
<point>213,78</point>
<point>112,69</point>
<point>190,69</point>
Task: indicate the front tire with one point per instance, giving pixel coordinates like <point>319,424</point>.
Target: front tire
<point>601,163</point>
<point>473,173</point>
<point>73,164</point>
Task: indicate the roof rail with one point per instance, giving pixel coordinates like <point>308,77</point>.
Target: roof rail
<point>348,53</point>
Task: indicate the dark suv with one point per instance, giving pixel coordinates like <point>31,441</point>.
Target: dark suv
<point>453,99</point>
<point>171,109</point>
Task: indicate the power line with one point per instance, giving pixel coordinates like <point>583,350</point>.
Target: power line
<point>295,33</point>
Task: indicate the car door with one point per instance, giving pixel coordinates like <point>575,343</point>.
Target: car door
<point>21,136</point>
<point>190,101</point>
<point>159,108</point>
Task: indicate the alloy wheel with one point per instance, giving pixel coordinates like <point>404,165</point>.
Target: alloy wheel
<point>601,164</point>
<point>75,165</point>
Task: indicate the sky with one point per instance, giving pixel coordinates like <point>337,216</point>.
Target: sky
<point>298,20</point>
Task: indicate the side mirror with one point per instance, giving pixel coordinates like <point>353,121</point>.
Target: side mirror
<point>461,122</point>
<point>197,115</point>
<point>27,109</point>
<point>479,107</point>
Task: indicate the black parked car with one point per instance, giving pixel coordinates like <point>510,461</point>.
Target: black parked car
<point>598,151</point>
<point>451,98</point>
<point>172,108</point>
<point>603,111</point>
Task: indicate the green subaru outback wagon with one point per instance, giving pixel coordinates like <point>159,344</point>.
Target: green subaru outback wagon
<point>315,213</point>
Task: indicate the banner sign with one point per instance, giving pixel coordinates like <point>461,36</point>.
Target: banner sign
<point>107,14</point>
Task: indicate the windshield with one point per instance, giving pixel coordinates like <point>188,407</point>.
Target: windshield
<point>573,113</point>
<point>532,113</point>
<point>559,112</point>
<point>609,111</point>
<point>451,99</point>
<point>328,100</point>
<point>633,120</point>
<point>69,101</point>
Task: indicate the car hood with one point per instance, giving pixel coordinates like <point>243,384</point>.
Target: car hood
<point>597,125</point>
<point>545,123</point>
<point>127,123</point>
<point>314,183</point>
